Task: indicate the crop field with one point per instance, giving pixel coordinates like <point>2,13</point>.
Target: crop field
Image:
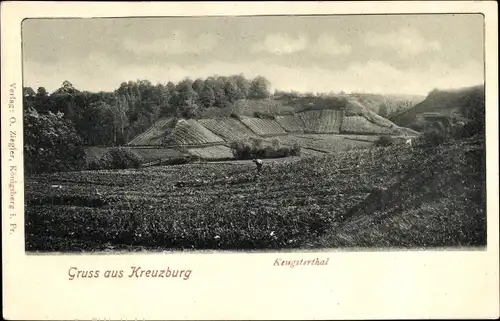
<point>322,121</point>
<point>359,125</point>
<point>327,143</point>
<point>291,123</point>
<point>366,138</point>
<point>190,132</point>
<point>156,134</point>
<point>154,154</point>
<point>212,152</point>
<point>228,128</point>
<point>434,197</point>
<point>263,127</point>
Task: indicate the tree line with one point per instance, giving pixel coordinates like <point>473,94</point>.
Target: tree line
<point>114,118</point>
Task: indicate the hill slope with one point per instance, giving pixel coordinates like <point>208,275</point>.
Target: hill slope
<point>312,115</point>
<point>392,102</point>
<point>172,132</point>
<point>155,135</point>
<point>444,104</point>
<point>436,198</point>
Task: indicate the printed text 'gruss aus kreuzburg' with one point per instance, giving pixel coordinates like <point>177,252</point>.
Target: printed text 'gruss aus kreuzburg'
<point>134,272</point>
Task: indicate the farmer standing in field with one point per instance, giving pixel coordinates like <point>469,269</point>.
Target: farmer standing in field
<point>258,162</point>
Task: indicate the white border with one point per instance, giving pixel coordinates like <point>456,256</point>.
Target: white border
<point>355,285</point>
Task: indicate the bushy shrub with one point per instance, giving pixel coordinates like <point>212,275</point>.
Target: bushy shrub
<point>235,116</point>
<point>51,143</point>
<point>241,150</point>
<point>433,137</point>
<point>181,160</point>
<point>384,140</point>
<point>245,150</point>
<point>261,115</point>
<point>296,149</point>
<point>116,158</point>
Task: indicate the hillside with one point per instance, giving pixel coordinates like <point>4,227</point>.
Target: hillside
<point>172,132</point>
<point>322,121</point>
<point>395,197</point>
<point>155,135</point>
<point>442,105</point>
<point>306,115</point>
<point>228,128</point>
<point>392,102</point>
<point>436,198</point>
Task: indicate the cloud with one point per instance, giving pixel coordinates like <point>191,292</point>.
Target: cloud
<point>101,72</point>
<point>328,45</point>
<point>407,42</point>
<point>177,43</point>
<point>280,44</point>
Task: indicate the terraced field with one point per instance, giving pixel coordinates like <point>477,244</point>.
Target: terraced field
<point>156,134</point>
<point>360,125</point>
<point>212,152</point>
<point>190,132</point>
<point>322,121</point>
<point>263,127</point>
<point>291,123</point>
<point>228,128</point>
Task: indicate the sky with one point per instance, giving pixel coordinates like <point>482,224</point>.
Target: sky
<point>396,54</point>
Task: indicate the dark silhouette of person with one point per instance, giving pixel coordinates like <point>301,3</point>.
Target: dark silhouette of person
<point>259,164</point>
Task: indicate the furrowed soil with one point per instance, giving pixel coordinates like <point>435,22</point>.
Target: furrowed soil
<point>380,197</point>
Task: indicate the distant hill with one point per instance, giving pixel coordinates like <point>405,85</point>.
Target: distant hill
<point>393,102</point>
<point>269,118</point>
<point>441,105</point>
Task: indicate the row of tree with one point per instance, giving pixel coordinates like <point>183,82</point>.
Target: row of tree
<point>113,118</point>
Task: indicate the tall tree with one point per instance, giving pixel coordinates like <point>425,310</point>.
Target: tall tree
<point>260,88</point>
<point>232,91</point>
<point>243,84</point>
<point>198,85</point>
<point>383,111</point>
<point>207,96</point>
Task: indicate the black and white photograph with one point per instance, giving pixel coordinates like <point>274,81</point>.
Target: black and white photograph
<point>254,133</point>
<point>250,160</point>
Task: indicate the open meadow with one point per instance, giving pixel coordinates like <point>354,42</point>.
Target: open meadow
<point>379,197</point>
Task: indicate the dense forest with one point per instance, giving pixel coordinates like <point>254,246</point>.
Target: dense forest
<point>114,118</point>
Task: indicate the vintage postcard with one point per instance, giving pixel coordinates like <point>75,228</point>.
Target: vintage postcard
<point>250,160</point>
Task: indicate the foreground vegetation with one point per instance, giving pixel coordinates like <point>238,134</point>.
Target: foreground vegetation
<point>393,196</point>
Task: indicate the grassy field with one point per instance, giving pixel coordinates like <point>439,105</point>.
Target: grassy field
<point>381,197</point>
<point>328,143</point>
